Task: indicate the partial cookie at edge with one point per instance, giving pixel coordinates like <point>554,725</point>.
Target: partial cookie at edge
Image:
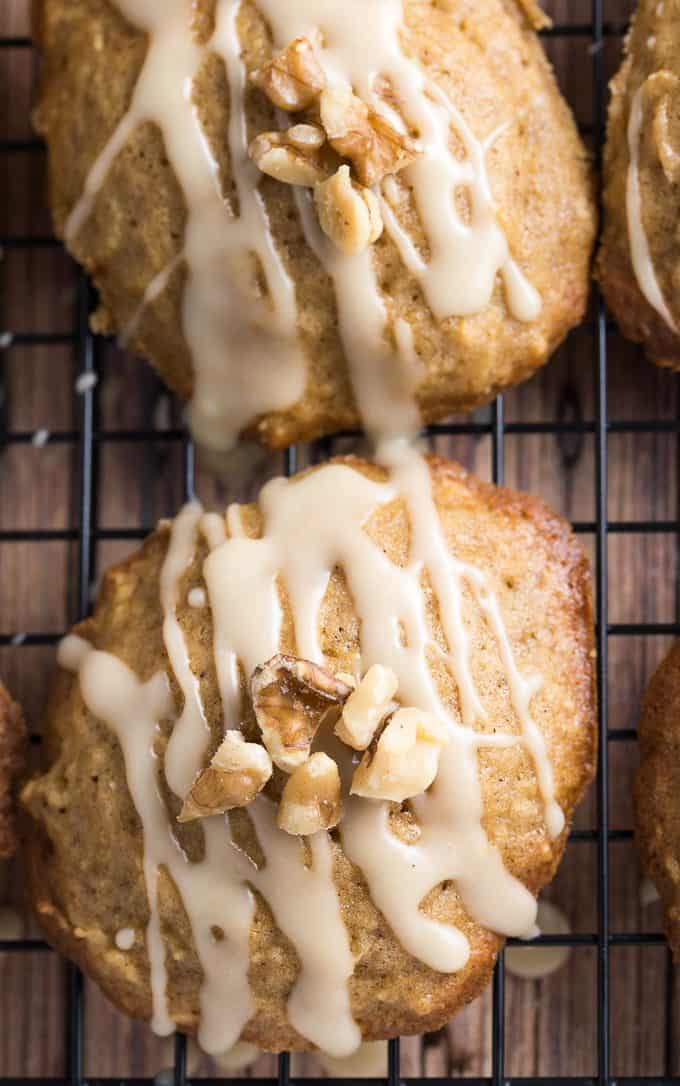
<point>657,790</point>
<point>12,765</point>
<point>652,51</point>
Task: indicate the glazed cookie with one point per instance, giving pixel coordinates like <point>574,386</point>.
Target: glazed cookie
<point>310,762</point>
<point>639,261</point>
<point>12,762</point>
<point>391,193</point>
<point>657,807</point>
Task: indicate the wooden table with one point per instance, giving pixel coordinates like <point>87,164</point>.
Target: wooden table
<point>551,1025</point>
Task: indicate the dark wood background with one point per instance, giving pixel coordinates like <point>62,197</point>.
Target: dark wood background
<point>551,1024</point>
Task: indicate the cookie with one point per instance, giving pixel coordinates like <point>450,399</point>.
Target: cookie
<point>309,763</point>
<point>639,260</point>
<point>421,211</point>
<point>657,814</point>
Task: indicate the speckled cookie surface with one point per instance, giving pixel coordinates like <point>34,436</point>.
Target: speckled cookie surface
<point>657,790</point>
<point>652,62</point>
<point>484,54</point>
<point>12,762</point>
<point>85,855</point>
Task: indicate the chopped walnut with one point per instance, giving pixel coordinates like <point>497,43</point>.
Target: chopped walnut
<point>366,707</point>
<point>288,160</point>
<point>357,132</point>
<point>237,773</point>
<point>294,79</point>
<point>292,698</point>
<point>404,760</point>
<point>349,214</point>
<point>306,137</point>
<point>311,798</point>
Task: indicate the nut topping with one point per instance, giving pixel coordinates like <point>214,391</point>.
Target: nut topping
<point>288,160</point>
<point>294,79</point>
<point>306,137</point>
<point>237,772</point>
<point>404,760</point>
<point>292,698</point>
<point>366,707</point>
<point>349,214</point>
<point>311,798</point>
<point>357,132</point>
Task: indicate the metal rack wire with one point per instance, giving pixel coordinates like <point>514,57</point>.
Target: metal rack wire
<point>89,439</point>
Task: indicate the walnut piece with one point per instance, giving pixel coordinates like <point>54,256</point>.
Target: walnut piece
<point>289,160</point>
<point>348,214</point>
<point>306,137</point>
<point>292,80</point>
<point>358,132</point>
<point>237,772</point>
<point>311,798</point>
<point>404,760</point>
<point>292,698</point>
<point>366,707</point>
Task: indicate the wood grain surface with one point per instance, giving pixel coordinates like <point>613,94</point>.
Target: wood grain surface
<point>551,1025</point>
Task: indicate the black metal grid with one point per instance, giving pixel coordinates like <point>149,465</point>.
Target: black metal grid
<point>89,438</point>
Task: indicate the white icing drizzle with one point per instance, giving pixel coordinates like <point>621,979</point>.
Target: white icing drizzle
<point>151,294</point>
<point>213,530</point>
<point>71,652</point>
<point>305,906</point>
<point>361,42</point>
<point>385,404</point>
<point>641,256</point>
<point>187,744</point>
<point>244,348</point>
<point>369,1061</point>
<point>241,577</point>
<point>537,962</point>
<point>245,351</point>
<point>132,709</point>
<point>214,891</point>
<point>237,1058</point>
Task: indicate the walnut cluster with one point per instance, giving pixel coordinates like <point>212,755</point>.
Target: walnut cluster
<point>293,700</point>
<point>341,149</point>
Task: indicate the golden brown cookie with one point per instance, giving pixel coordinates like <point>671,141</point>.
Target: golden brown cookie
<point>639,261</point>
<point>657,809</point>
<point>522,646</point>
<point>12,764</point>
<point>526,219</point>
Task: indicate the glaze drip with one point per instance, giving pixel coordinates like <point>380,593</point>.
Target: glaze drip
<point>244,348</point>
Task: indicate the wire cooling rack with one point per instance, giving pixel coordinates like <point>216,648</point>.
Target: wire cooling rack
<point>89,440</point>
